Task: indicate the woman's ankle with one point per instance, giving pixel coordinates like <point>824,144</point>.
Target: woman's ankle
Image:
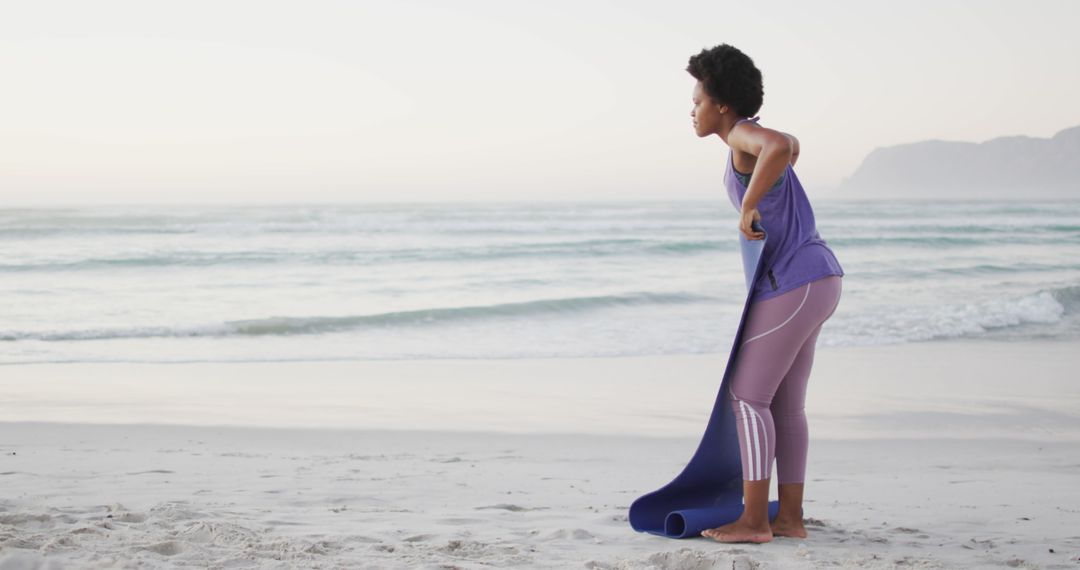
<point>787,518</point>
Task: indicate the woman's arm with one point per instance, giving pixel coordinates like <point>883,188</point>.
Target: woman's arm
<point>794,147</point>
<point>773,149</point>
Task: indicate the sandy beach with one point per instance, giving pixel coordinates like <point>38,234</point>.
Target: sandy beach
<point>521,463</point>
<point>454,286</point>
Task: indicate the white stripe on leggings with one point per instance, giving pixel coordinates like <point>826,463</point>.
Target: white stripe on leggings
<point>755,450</point>
<point>788,319</point>
<point>751,449</point>
<point>763,456</point>
<point>760,447</point>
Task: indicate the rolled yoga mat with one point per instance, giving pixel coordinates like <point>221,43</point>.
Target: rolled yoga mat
<point>708,492</point>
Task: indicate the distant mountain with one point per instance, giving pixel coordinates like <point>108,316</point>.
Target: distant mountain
<point>1016,167</point>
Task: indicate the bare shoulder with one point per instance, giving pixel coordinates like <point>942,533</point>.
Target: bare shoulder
<point>794,148</point>
<point>750,138</point>
<point>794,142</point>
<point>747,139</point>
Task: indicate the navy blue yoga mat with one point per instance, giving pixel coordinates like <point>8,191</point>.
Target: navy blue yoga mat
<point>708,492</point>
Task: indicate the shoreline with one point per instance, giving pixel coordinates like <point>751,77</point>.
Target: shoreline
<point>959,389</point>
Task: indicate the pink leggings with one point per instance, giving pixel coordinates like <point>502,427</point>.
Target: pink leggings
<point>768,387</point>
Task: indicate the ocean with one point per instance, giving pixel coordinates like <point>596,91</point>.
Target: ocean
<point>506,280</point>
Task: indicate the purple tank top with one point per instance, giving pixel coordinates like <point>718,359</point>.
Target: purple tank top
<point>795,254</point>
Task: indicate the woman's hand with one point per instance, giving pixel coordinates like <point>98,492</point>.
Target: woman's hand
<point>746,223</point>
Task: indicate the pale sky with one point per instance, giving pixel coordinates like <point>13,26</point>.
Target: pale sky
<point>285,101</point>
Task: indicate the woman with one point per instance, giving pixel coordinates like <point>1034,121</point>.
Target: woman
<point>798,291</point>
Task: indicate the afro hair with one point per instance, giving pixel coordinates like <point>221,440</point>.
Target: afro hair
<point>729,76</point>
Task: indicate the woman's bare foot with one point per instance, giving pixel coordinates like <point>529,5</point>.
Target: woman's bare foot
<point>788,527</point>
<point>739,531</point>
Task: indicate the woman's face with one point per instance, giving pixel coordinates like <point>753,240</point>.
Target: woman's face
<point>706,113</point>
